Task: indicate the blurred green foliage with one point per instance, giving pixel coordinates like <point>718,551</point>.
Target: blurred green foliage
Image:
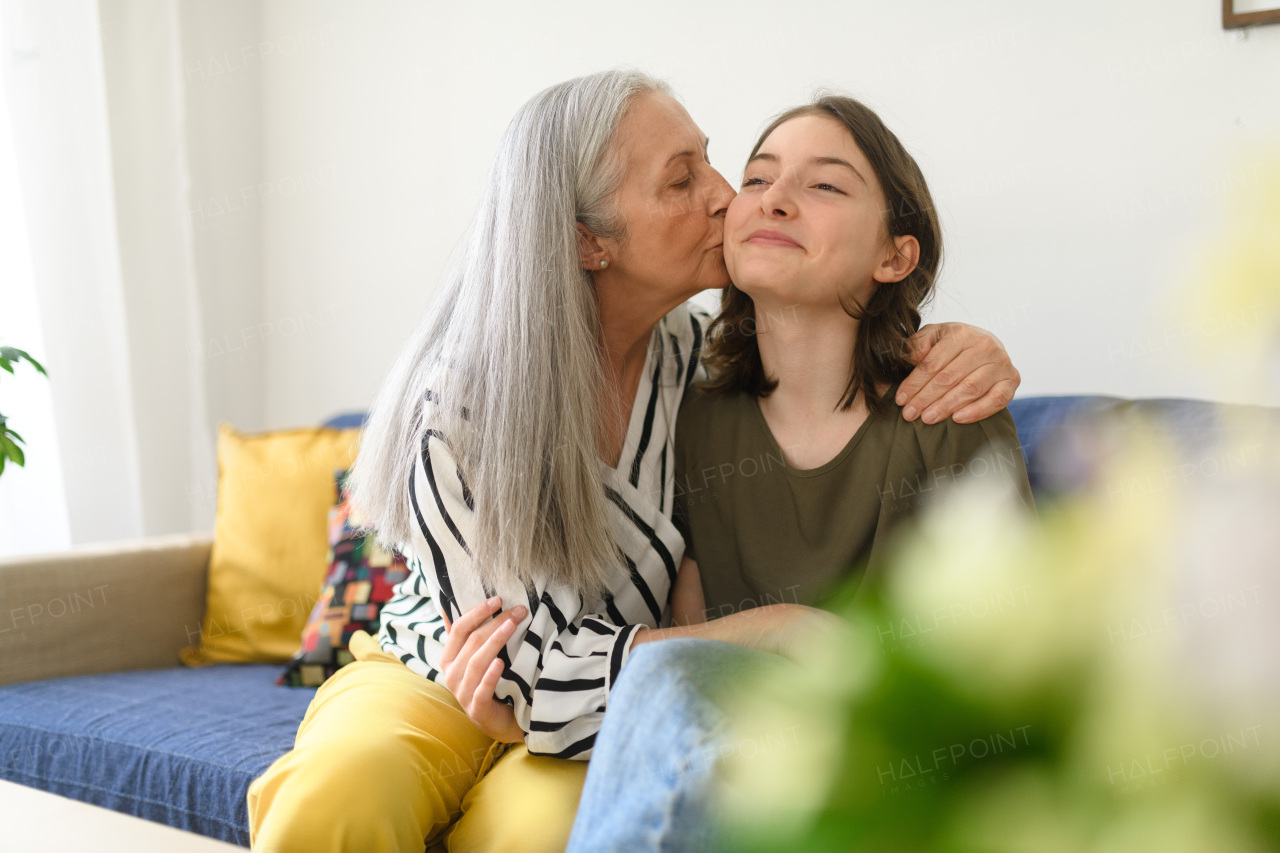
<point>1037,685</point>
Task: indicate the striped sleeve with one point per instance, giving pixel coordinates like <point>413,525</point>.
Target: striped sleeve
<point>561,661</point>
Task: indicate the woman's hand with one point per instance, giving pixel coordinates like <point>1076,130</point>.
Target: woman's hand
<point>471,667</point>
<point>961,370</point>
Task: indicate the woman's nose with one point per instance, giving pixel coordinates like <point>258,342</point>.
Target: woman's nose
<point>720,195</point>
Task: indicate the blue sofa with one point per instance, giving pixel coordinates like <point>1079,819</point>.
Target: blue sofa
<point>180,746</point>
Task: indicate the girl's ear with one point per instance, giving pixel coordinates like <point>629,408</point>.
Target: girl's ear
<point>590,252</point>
<point>899,263</point>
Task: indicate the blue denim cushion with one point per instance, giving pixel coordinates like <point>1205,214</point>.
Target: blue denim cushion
<point>1059,434</point>
<point>1039,421</point>
<point>347,420</point>
<point>177,746</point>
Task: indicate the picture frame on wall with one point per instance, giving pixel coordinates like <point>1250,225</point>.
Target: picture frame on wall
<point>1246,13</point>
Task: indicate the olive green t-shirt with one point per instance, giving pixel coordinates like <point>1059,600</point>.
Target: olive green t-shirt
<point>763,532</point>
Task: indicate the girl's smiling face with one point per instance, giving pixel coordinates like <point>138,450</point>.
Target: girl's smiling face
<point>808,226</point>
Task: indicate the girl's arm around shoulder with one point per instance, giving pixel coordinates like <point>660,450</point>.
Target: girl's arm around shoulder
<point>688,606</point>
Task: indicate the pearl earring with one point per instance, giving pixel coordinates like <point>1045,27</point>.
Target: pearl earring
<point>604,264</point>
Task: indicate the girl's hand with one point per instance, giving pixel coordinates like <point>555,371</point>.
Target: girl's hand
<point>471,667</point>
<point>960,370</point>
<point>688,606</point>
<point>790,630</point>
<point>799,629</point>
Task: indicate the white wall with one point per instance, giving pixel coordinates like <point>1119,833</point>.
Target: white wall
<point>33,500</point>
<point>163,306</point>
<point>1082,155</point>
<point>82,428</point>
<point>1078,152</point>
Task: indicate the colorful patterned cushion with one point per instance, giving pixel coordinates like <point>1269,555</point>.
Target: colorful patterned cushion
<point>360,580</point>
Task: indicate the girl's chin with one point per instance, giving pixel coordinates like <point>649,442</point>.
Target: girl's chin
<point>765,273</point>
<point>775,295</point>
<point>758,288</point>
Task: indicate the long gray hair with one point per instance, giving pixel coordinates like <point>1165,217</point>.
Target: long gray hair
<point>511,351</point>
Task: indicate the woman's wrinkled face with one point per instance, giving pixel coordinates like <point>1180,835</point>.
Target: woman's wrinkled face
<point>808,224</point>
<point>673,203</point>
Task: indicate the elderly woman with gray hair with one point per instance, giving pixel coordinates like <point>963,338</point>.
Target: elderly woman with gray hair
<point>520,455</point>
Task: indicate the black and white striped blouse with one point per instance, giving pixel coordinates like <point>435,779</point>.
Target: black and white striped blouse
<point>565,655</point>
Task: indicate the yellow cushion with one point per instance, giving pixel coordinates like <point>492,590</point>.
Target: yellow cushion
<point>270,541</point>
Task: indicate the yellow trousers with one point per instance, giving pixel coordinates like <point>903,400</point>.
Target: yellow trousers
<point>386,761</point>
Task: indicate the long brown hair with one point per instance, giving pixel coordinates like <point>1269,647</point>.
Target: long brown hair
<point>891,315</point>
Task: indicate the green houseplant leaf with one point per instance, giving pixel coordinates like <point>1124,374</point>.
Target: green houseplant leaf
<point>11,355</point>
<point>11,450</point>
<point>9,439</point>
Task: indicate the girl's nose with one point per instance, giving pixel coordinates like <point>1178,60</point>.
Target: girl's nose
<point>777,200</point>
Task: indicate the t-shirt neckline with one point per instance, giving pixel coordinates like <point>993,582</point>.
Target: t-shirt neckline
<point>763,425</point>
